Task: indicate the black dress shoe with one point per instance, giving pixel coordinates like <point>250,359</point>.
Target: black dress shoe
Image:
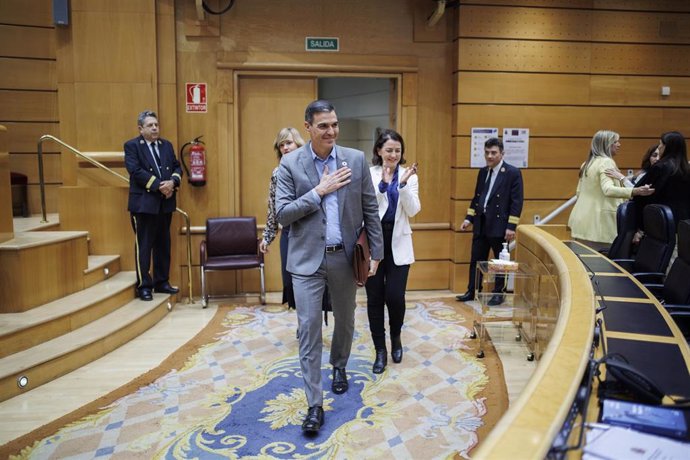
<point>396,349</point>
<point>466,297</point>
<point>314,420</point>
<point>167,289</point>
<point>145,294</point>
<point>496,299</point>
<point>339,385</point>
<point>381,361</point>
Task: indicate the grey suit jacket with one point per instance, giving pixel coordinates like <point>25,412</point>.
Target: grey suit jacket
<point>296,207</point>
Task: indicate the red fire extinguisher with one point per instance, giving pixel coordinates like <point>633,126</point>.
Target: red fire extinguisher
<point>196,173</point>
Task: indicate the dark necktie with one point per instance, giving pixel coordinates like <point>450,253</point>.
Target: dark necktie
<point>156,158</point>
<point>485,191</point>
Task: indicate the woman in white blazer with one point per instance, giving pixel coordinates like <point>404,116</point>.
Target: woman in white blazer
<point>397,193</point>
<point>593,219</point>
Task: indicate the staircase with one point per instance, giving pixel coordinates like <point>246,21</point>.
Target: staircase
<point>61,308</point>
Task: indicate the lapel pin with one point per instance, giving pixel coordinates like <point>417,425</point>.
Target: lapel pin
<point>344,163</point>
<point>141,141</point>
<point>503,169</point>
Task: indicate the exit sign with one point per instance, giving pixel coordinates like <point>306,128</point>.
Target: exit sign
<point>321,44</point>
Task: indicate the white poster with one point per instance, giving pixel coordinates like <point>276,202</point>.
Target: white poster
<point>479,137</point>
<point>516,146</point>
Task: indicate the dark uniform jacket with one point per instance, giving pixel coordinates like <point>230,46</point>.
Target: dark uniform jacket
<point>504,205</point>
<point>144,178</point>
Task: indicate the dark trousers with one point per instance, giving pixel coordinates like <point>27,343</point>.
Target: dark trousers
<point>387,288</point>
<point>480,251</point>
<point>151,238</point>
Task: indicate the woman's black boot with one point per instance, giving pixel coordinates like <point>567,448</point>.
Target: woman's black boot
<point>396,349</point>
<point>381,360</point>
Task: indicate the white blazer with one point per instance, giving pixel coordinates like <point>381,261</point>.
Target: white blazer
<point>408,206</point>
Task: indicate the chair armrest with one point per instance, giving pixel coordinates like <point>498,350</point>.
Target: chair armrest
<point>650,277</point>
<point>626,264</point>
<point>656,289</point>
<point>677,308</point>
<point>682,319</point>
<point>202,252</point>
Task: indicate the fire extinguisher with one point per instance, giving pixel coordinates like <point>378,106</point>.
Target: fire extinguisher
<point>196,173</point>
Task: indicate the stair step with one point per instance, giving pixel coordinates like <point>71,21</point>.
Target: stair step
<point>33,223</point>
<point>20,331</point>
<point>58,356</point>
<point>100,268</point>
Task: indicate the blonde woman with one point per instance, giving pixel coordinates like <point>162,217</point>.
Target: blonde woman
<point>287,140</point>
<point>593,219</point>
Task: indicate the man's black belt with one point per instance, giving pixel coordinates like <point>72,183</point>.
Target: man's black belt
<point>334,247</point>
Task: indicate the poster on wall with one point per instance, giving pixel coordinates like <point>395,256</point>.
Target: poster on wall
<point>516,146</point>
<point>196,97</point>
<point>479,137</point>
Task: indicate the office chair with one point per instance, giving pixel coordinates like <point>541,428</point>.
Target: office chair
<point>674,293</point>
<point>230,244</point>
<point>622,247</point>
<point>656,248</point>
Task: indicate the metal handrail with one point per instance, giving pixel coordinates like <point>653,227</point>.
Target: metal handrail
<point>100,165</point>
<point>550,216</point>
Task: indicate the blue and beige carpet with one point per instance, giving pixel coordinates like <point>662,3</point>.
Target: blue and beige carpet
<point>240,395</point>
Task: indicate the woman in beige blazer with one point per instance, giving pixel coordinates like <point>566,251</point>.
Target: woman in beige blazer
<point>593,219</point>
<point>398,199</point>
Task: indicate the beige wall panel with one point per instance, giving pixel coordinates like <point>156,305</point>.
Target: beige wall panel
<point>166,48</point>
<point>409,89</point>
<point>640,59</point>
<point>433,142</point>
<point>427,275</point>
<point>408,129</point>
<point>267,104</point>
<point>121,6</point>
<point>16,12</point>
<point>103,41</point>
<point>23,137</point>
<point>247,28</point>
<point>462,251</point>
<point>573,24</point>
<point>34,196</point>
<point>27,42</point>
<point>643,5</point>
<point>91,176</point>
<point>431,244</point>
<point>574,121</point>
<point>549,184</point>
<point>522,88</point>
<point>102,211</point>
<point>28,74</point>
<point>459,277</point>
<point>524,56</point>
<point>109,117</point>
<point>565,152</point>
<point>28,106</point>
<point>543,208</point>
<point>639,91</point>
<point>464,183</point>
<point>28,164</point>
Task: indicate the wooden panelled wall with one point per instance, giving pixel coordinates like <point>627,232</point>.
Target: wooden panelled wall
<point>565,69</point>
<point>28,93</point>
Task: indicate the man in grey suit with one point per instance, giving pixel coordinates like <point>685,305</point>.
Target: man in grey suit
<point>325,193</point>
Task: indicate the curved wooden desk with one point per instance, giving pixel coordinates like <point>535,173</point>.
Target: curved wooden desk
<point>564,331</point>
<point>564,326</point>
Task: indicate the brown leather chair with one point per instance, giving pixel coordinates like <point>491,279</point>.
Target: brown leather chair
<point>230,244</point>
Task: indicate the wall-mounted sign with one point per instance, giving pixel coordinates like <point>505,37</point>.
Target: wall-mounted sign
<point>196,97</point>
<point>516,146</point>
<point>479,137</point>
<point>322,44</point>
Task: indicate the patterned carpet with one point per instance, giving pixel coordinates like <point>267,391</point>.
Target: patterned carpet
<point>241,396</point>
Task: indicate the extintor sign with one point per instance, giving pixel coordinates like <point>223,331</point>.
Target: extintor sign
<point>196,97</point>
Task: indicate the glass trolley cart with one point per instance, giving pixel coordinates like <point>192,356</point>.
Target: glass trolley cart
<point>517,303</point>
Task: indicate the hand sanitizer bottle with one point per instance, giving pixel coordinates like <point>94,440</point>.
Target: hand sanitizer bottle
<point>505,254</point>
